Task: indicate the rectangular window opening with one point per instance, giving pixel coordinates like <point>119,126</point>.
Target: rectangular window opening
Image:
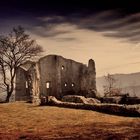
<point>26,84</point>
<point>47,85</point>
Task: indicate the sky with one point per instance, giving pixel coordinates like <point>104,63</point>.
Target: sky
<point>107,31</point>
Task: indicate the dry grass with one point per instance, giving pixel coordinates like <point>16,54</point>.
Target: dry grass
<point>24,121</point>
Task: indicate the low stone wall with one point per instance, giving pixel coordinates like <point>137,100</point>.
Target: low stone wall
<point>121,100</point>
<point>124,110</point>
<point>111,100</point>
<point>79,99</point>
<point>132,100</point>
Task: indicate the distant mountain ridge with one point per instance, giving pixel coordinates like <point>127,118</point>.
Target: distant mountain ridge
<point>130,83</point>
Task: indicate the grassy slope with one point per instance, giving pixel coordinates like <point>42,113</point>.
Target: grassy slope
<point>25,121</point>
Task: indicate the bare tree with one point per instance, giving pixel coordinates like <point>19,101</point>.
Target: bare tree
<point>110,88</point>
<point>15,49</point>
<point>133,88</point>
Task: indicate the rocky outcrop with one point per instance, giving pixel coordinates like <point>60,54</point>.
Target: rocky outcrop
<point>79,99</point>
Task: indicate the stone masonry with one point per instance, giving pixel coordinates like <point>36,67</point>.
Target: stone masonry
<point>56,76</point>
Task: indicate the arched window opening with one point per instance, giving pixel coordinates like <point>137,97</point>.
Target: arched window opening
<point>72,84</point>
<point>26,84</point>
<point>62,67</point>
<point>65,84</point>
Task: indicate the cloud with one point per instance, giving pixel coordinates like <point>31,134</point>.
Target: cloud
<point>117,22</point>
<point>52,19</point>
<point>65,39</point>
<point>111,23</point>
<point>119,66</point>
<point>47,32</point>
<point>114,25</point>
<point>51,30</point>
<point>129,35</point>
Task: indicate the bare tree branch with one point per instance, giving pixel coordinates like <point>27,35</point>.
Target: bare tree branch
<point>15,49</point>
<point>110,88</point>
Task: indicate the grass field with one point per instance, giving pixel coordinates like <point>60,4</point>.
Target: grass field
<point>23,121</point>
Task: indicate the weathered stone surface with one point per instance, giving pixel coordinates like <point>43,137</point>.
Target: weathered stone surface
<point>92,101</point>
<point>74,99</point>
<point>115,99</point>
<point>55,76</point>
<point>79,99</point>
<point>36,101</point>
<point>92,93</point>
<point>21,92</point>
<point>121,100</point>
<point>130,100</point>
<point>134,108</point>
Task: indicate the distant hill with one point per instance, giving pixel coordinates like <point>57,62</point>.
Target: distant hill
<point>130,83</point>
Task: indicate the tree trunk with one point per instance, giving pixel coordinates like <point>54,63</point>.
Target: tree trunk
<point>8,97</point>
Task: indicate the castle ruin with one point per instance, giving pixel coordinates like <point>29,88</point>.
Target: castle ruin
<point>56,76</point>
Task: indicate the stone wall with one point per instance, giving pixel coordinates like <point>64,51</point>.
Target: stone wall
<point>21,90</point>
<point>34,82</point>
<point>56,76</point>
<point>22,82</point>
<point>66,77</point>
<point>88,82</point>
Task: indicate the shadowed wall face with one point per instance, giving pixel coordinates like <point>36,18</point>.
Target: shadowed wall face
<point>60,76</point>
<point>22,91</point>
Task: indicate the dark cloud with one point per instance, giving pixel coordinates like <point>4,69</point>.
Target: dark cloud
<point>47,33</point>
<point>117,18</point>
<point>63,39</point>
<point>111,23</point>
<point>48,30</point>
